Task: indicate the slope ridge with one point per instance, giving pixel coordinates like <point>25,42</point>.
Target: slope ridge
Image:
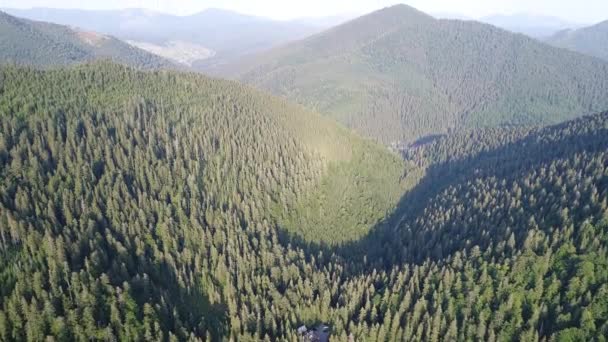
<point>42,44</point>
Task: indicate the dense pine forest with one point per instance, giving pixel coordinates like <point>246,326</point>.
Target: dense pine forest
<point>143,186</point>
<point>398,74</point>
<point>145,206</point>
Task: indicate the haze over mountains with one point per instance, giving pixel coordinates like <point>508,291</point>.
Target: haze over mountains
<point>221,34</point>
<point>141,203</point>
<point>194,41</point>
<point>537,26</point>
<point>44,44</point>
<point>532,25</point>
<point>398,74</point>
<point>592,40</point>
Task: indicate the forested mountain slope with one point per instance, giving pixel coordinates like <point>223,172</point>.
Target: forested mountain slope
<point>123,194</point>
<point>511,229</point>
<point>398,74</point>
<point>149,206</point>
<point>485,186</point>
<point>591,40</point>
<point>41,44</point>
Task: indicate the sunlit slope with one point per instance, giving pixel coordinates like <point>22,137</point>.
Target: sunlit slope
<point>251,147</point>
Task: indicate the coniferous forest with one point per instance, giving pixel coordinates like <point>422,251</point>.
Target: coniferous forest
<point>164,205</point>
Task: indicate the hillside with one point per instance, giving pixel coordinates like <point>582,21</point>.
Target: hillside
<point>149,206</point>
<point>591,40</point>
<point>115,180</point>
<point>26,42</point>
<point>220,36</point>
<point>397,75</point>
<point>508,231</point>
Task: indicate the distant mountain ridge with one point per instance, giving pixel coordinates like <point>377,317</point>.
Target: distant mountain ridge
<point>592,40</point>
<point>398,74</point>
<point>537,26</point>
<point>42,44</point>
<point>226,34</point>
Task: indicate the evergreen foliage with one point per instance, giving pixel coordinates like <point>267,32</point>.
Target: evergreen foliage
<point>154,206</point>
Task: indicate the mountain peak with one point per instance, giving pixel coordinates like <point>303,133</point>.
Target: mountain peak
<point>400,11</point>
<point>214,10</point>
<point>404,9</point>
<point>381,21</point>
<point>390,18</point>
<point>218,13</point>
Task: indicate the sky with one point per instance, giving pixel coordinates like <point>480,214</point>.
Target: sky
<point>580,11</point>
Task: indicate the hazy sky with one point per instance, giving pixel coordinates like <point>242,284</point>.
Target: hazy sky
<point>583,11</point>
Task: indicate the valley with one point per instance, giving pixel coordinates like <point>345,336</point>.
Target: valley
<point>394,177</point>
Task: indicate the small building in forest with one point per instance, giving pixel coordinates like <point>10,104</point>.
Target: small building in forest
<point>318,334</point>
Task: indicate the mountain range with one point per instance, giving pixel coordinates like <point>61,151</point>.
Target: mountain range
<point>537,26</point>
<point>213,36</point>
